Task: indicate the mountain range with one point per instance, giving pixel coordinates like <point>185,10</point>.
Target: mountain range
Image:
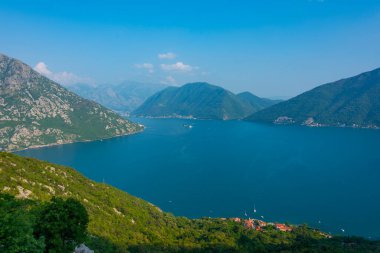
<point>122,98</point>
<point>35,111</point>
<point>202,101</point>
<point>353,102</point>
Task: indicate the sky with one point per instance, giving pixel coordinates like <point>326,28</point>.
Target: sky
<point>272,48</point>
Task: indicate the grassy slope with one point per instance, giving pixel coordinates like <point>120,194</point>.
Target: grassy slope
<point>125,221</point>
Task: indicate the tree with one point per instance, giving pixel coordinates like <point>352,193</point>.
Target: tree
<point>16,229</point>
<point>63,224</point>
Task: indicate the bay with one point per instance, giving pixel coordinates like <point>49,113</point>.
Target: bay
<point>325,177</point>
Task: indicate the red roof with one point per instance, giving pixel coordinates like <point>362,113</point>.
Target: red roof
<point>249,223</point>
<point>283,227</point>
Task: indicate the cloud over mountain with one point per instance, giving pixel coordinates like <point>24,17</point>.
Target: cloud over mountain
<point>178,66</point>
<point>64,77</point>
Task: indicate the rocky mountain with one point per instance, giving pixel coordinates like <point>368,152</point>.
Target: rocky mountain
<point>198,100</point>
<point>119,222</point>
<point>35,111</point>
<point>353,102</point>
<point>122,98</point>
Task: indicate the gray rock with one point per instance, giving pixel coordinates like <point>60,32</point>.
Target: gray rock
<point>83,249</point>
<point>35,111</point>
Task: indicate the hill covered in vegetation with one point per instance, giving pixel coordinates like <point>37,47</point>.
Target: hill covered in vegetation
<point>353,102</point>
<point>35,111</point>
<point>256,102</point>
<point>119,222</point>
<point>202,101</point>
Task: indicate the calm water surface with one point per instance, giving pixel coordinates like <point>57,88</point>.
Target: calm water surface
<point>326,177</point>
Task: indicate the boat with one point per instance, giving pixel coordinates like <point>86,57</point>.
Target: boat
<point>188,126</point>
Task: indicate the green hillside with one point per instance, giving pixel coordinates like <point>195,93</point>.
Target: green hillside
<point>119,222</point>
<point>36,111</point>
<point>353,102</point>
<point>199,100</point>
<point>257,103</point>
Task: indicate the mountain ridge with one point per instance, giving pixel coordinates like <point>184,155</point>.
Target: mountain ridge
<point>352,101</point>
<point>258,103</point>
<point>197,100</point>
<point>36,111</point>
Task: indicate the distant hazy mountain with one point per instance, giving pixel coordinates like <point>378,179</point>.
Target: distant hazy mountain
<point>199,100</point>
<point>353,101</point>
<point>122,98</point>
<point>36,111</point>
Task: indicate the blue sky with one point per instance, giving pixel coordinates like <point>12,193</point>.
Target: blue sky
<point>271,48</point>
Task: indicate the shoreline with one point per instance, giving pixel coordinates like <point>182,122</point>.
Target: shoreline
<point>72,142</point>
<point>316,125</point>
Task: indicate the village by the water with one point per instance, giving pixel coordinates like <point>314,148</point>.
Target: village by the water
<point>263,226</point>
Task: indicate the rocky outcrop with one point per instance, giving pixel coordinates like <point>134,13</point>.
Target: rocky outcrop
<point>83,249</point>
<point>35,111</point>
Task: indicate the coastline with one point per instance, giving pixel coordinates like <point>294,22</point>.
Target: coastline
<point>311,124</point>
<point>71,142</point>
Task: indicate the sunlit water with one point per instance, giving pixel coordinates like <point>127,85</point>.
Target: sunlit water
<point>328,178</point>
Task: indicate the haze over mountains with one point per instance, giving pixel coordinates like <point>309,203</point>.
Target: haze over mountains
<point>122,98</point>
<point>353,101</point>
<point>36,111</point>
<point>202,101</point>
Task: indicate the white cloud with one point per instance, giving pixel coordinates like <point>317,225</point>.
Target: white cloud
<point>147,66</point>
<point>64,78</point>
<point>169,80</point>
<point>178,66</point>
<point>167,56</point>
<point>42,68</point>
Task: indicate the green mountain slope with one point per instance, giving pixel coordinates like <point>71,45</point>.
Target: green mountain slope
<point>122,98</point>
<point>197,100</point>
<point>353,101</point>
<point>36,111</point>
<point>256,102</point>
<point>120,222</point>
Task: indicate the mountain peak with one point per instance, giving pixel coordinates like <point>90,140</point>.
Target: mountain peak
<point>197,100</point>
<point>353,101</point>
<point>13,71</point>
<point>201,84</point>
<point>36,111</point>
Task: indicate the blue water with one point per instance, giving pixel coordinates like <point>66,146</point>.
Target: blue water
<point>325,177</point>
